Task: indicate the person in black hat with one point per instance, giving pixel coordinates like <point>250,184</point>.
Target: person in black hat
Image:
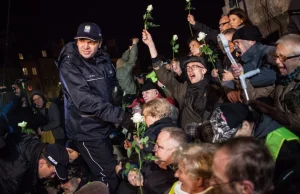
<point>254,55</point>
<point>89,80</point>
<point>196,96</point>
<point>26,160</point>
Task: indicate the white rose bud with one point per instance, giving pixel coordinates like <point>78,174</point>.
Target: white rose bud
<point>137,118</point>
<point>149,8</point>
<point>175,37</point>
<point>23,124</point>
<point>187,0</point>
<point>201,36</point>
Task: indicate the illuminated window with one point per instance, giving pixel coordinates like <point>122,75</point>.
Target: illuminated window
<point>21,56</point>
<point>34,71</point>
<point>44,53</point>
<point>25,72</point>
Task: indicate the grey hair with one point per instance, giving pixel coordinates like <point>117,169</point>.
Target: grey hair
<point>291,42</point>
<point>176,134</point>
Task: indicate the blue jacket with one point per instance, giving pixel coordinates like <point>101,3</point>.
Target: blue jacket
<point>88,86</point>
<point>258,57</point>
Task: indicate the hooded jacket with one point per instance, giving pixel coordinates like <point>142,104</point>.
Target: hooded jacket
<point>88,85</point>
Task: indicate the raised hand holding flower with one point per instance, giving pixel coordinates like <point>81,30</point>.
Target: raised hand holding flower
<point>189,8</point>
<point>207,50</point>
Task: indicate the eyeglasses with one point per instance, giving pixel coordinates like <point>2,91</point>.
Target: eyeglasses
<point>216,180</point>
<point>224,23</point>
<point>193,67</point>
<point>283,58</point>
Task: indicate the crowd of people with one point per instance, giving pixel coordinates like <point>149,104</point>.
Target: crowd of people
<point>206,130</point>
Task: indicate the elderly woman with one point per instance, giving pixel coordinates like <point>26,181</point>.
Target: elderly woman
<point>156,114</point>
<point>194,169</point>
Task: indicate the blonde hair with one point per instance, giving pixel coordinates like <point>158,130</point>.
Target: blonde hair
<point>197,159</point>
<point>157,107</point>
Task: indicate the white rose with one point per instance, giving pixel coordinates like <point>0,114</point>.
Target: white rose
<point>175,37</point>
<point>137,118</point>
<point>149,8</point>
<point>187,0</point>
<point>23,124</point>
<point>59,83</point>
<point>201,36</point>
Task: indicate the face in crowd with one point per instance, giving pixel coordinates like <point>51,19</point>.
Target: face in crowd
<point>286,60</point>
<point>224,23</point>
<point>87,48</point>
<point>73,155</point>
<point>45,169</point>
<point>195,72</point>
<point>194,48</point>
<point>149,120</point>
<point>149,95</point>
<point>235,21</point>
<point>38,101</point>
<point>70,185</point>
<point>230,43</point>
<point>164,148</point>
<point>242,46</point>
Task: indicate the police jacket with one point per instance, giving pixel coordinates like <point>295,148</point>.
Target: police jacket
<point>88,85</point>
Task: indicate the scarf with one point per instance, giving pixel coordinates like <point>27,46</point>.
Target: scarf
<point>285,80</point>
<point>177,189</point>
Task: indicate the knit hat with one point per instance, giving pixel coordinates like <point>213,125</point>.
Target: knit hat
<point>70,144</point>
<point>247,32</point>
<point>195,59</point>
<point>226,120</point>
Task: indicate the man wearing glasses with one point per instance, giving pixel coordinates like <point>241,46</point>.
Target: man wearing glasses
<point>211,33</point>
<point>243,165</point>
<point>286,96</point>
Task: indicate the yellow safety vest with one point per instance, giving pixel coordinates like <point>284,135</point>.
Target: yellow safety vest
<point>276,138</point>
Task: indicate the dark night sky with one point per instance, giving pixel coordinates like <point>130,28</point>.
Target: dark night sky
<point>35,22</point>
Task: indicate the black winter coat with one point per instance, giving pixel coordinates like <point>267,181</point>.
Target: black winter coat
<point>19,164</point>
<point>88,85</point>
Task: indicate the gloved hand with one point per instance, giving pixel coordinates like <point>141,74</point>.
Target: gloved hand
<point>127,122</point>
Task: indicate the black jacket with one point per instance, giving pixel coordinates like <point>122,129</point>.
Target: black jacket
<point>211,33</point>
<point>19,164</point>
<point>88,85</point>
<point>156,180</point>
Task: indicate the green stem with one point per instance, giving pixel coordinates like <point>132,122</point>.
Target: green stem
<point>140,168</point>
<point>190,25</point>
<point>212,62</point>
<point>145,24</point>
<point>173,50</point>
